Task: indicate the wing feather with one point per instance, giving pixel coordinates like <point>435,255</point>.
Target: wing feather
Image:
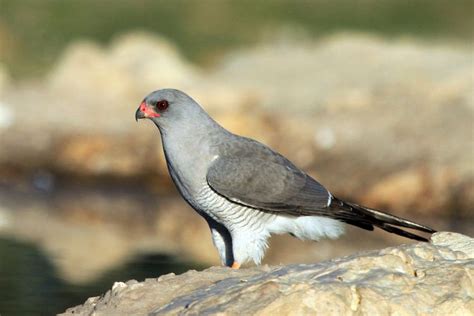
<point>275,186</point>
<point>278,186</point>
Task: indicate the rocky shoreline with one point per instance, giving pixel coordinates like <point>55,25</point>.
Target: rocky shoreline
<point>424,278</point>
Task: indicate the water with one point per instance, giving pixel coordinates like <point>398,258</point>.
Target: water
<point>30,285</point>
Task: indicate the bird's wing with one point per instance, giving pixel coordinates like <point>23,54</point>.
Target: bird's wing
<point>278,186</point>
<point>274,186</point>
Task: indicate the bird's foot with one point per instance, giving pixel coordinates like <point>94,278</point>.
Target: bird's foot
<point>235,265</point>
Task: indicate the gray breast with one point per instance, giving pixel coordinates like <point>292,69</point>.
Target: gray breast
<point>230,214</point>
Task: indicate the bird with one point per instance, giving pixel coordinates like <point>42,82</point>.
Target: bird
<point>245,190</point>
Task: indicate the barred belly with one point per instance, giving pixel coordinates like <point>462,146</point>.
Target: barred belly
<point>232,215</point>
<point>251,228</point>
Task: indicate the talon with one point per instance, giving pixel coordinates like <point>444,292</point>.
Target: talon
<point>235,265</point>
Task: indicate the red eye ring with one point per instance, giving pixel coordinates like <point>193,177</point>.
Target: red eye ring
<point>162,105</point>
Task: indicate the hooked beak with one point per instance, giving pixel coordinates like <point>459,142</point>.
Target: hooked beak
<point>139,115</point>
<point>144,111</point>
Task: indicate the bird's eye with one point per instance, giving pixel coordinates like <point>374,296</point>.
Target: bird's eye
<point>162,105</point>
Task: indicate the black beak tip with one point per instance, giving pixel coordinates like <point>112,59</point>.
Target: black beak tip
<point>138,115</point>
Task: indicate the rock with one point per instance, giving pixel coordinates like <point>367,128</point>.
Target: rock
<point>350,71</point>
<point>151,61</point>
<point>420,188</point>
<point>430,190</point>
<point>424,278</point>
<point>85,71</point>
<point>132,66</point>
<point>93,155</point>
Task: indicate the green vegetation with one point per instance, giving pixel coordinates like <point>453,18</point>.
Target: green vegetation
<point>33,33</point>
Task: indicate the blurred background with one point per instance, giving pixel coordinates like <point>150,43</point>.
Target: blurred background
<point>373,98</point>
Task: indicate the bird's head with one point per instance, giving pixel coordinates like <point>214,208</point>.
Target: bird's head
<point>167,106</point>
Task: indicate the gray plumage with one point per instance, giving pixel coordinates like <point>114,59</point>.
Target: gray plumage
<point>245,190</point>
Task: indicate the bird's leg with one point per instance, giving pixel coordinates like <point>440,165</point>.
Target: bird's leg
<point>222,241</point>
<point>219,243</point>
<point>235,265</point>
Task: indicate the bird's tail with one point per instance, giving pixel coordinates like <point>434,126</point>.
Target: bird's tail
<point>367,218</point>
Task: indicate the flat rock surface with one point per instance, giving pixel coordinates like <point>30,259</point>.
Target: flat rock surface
<point>433,278</point>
